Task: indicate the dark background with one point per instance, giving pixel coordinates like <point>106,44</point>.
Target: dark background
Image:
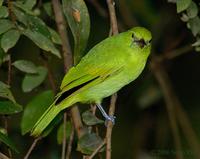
<point>142,127</point>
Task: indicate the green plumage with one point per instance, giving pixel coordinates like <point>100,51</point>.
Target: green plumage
<point>107,67</point>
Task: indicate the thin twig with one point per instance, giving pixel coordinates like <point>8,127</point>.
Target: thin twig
<point>67,53</point>
<point>9,70</point>
<point>110,126</point>
<point>113,19</point>
<point>69,147</point>
<point>180,113</point>
<point>175,53</point>
<point>68,62</point>
<point>187,129</point>
<point>64,135</point>
<point>94,108</point>
<point>114,29</point>
<point>162,77</point>
<point>61,25</point>
<point>32,147</point>
<point>97,149</point>
<point>11,14</point>
<point>9,83</point>
<point>2,156</point>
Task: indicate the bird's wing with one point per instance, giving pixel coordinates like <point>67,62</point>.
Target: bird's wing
<point>101,61</point>
<point>80,77</point>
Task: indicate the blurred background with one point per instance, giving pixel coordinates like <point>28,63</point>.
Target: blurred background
<point>156,114</point>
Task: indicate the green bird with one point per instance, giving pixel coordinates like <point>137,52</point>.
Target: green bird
<point>105,69</point>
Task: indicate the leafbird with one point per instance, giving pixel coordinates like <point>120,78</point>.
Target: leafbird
<point>105,69</point>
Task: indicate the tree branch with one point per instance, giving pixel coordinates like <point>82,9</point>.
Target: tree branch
<point>110,127</point>
<point>32,147</point>
<point>172,100</point>
<point>9,70</point>
<point>114,29</point>
<point>64,135</point>
<point>69,147</point>
<point>2,156</point>
<point>113,19</point>
<point>61,26</point>
<point>97,150</point>
<point>174,53</point>
<point>162,77</point>
<point>187,129</point>
<point>68,60</point>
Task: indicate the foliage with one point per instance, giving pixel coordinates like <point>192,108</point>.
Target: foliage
<point>31,69</point>
<point>189,14</point>
<point>78,19</point>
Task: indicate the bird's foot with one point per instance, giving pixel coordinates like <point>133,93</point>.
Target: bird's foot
<point>110,118</point>
<point>106,116</point>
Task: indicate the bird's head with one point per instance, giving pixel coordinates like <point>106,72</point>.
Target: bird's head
<point>140,39</point>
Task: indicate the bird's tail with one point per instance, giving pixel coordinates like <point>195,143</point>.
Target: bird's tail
<point>50,114</point>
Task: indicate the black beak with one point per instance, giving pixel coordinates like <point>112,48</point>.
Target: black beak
<point>141,43</point>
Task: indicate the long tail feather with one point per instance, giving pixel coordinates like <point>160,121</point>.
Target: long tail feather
<point>49,115</point>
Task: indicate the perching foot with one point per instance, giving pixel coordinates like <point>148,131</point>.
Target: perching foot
<point>110,118</point>
<point>106,116</point>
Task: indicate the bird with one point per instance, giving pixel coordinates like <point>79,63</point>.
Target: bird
<point>105,69</point>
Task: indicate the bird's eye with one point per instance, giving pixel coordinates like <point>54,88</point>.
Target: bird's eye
<point>150,40</point>
<point>134,37</point>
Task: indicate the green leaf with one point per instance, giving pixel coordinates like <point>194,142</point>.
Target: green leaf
<point>29,4</point>
<point>197,43</point>
<point>5,25</point>
<point>90,119</point>
<point>25,66</point>
<point>6,140</point>
<point>32,22</point>
<point>2,54</point>
<point>36,24</point>
<point>48,8</point>
<point>20,15</point>
<point>88,143</point>
<point>23,7</point>
<point>5,92</point>
<point>60,132</point>
<point>31,81</point>
<point>8,107</point>
<point>194,25</point>
<point>34,110</point>
<point>1,2</point>
<point>192,10</point>
<point>3,12</point>
<point>184,17</point>
<point>55,36</point>
<point>182,5</point>
<point>9,39</point>
<point>78,19</point>
<point>42,41</point>
<point>197,49</point>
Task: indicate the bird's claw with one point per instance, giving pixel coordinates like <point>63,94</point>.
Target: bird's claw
<point>110,118</point>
